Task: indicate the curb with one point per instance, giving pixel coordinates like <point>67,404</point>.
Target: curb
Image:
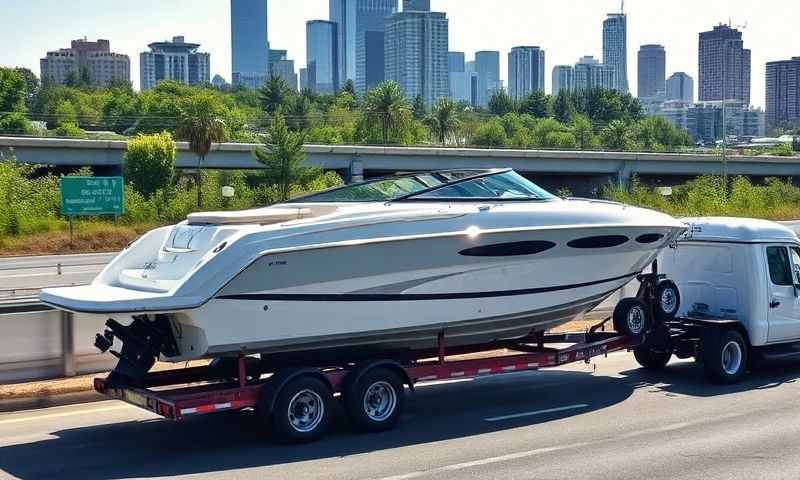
<point>59,400</point>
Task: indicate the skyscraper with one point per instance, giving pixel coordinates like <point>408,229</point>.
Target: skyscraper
<point>417,5</point>
<point>487,68</point>
<point>416,54</point>
<point>680,86</point>
<point>652,70</point>
<point>175,60</point>
<point>724,66</point>
<point>470,68</point>
<point>249,42</point>
<point>94,60</point>
<point>615,48</point>
<point>358,52</point>
<point>563,78</point>
<point>321,56</point>
<point>525,71</point>
<point>590,73</point>
<point>460,82</point>
<point>783,93</point>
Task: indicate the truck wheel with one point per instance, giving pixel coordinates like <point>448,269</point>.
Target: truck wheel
<point>631,317</point>
<point>668,300</point>
<point>302,411</point>
<point>651,359</point>
<point>375,401</point>
<point>725,357</point>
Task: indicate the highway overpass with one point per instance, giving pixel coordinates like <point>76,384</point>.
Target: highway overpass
<point>581,171</point>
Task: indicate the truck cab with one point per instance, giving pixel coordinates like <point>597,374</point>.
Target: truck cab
<point>738,279</point>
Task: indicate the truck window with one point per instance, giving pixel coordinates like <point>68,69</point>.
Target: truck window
<point>779,270</point>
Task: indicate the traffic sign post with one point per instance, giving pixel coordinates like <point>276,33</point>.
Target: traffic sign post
<point>91,196</point>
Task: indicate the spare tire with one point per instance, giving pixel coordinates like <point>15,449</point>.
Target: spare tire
<point>632,318</point>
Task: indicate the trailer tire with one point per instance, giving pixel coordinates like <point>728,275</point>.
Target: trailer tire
<point>668,301</point>
<point>725,356</point>
<point>302,411</point>
<point>651,359</point>
<point>632,318</point>
<point>375,401</point>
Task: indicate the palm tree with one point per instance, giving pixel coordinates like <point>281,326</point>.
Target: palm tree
<point>282,157</point>
<point>443,121</point>
<point>274,94</point>
<point>201,123</point>
<point>387,104</point>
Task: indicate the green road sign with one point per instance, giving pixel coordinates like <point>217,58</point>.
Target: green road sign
<point>92,196</point>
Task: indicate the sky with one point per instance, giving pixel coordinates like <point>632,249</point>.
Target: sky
<point>566,29</point>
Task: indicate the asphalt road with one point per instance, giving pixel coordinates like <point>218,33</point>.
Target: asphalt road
<point>617,422</point>
<point>25,276</point>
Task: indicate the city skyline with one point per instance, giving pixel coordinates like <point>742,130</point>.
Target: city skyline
<point>563,30</point>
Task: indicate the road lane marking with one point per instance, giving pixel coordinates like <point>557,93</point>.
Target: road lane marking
<point>63,414</point>
<point>537,412</point>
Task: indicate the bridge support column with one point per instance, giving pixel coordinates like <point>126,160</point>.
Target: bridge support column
<point>624,175</point>
<point>68,363</point>
<point>356,171</point>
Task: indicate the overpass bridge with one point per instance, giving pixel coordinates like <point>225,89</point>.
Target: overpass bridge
<point>581,171</point>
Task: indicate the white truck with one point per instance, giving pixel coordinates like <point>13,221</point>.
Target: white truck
<point>733,291</point>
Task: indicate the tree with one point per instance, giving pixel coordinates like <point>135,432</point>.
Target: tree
<point>501,104</point>
<point>419,108</point>
<point>350,88</point>
<point>200,122</point>
<point>583,132</point>
<point>12,91</point>
<point>536,104</point>
<point>150,163</point>
<point>563,107</point>
<point>298,108</point>
<point>15,123</point>
<point>615,136</point>
<point>274,94</point>
<point>65,113</point>
<point>282,157</point>
<point>387,105</point>
<point>442,121</point>
<point>490,134</point>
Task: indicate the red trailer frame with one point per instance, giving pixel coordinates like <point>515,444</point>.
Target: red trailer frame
<point>214,395</point>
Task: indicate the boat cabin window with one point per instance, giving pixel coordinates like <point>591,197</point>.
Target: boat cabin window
<point>378,191</point>
<point>503,186</point>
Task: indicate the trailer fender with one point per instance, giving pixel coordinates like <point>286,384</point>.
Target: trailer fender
<point>269,393</point>
<point>361,370</point>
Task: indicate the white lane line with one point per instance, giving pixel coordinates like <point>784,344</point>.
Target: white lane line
<point>537,412</point>
<point>63,414</point>
<point>484,461</point>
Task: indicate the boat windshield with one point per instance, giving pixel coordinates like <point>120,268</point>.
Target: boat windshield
<point>455,185</point>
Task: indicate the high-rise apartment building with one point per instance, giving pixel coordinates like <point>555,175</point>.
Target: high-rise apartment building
<point>93,61</point>
<point>487,68</point>
<point>472,77</point>
<point>525,71</point>
<point>176,60</point>
<point>416,54</point>
<point>680,86</point>
<point>282,67</point>
<point>783,93</point>
<point>359,30</point>
<point>652,71</point>
<point>615,48</point>
<point>563,79</point>
<point>460,80</point>
<point>321,56</point>
<point>417,5</point>
<point>724,66</point>
<point>590,73</point>
<point>250,43</point>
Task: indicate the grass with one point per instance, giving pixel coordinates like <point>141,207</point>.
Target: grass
<point>87,238</point>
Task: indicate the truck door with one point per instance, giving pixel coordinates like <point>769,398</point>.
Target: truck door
<point>784,304</point>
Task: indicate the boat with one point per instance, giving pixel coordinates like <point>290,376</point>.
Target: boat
<point>374,268</point>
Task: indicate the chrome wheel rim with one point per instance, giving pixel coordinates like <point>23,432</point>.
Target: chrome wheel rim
<point>636,320</point>
<point>668,301</point>
<point>306,411</point>
<point>380,401</point>
<point>731,358</point>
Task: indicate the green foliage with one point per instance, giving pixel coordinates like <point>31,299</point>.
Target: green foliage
<point>616,137</point>
<point>12,91</point>
<point>150,163</point>
<point>386,106</point>
<point>274,94</point>
<point>782,150</point>
<point>501,104</point>
<point>70,130</point>
<point>537,104</point>
<point>583,132</point>
<point>28,202</point>
<point>16,123</point>
<point>443,121</point>
<point>283,158</point>
<point>491,134</point>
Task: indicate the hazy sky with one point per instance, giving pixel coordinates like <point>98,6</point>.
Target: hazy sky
<point>566,29</point>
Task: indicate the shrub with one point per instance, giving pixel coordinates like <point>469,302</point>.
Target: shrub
<point>16,123</point>
<point>150,163</point>
<point>70,130</point>
<point>490,134</point>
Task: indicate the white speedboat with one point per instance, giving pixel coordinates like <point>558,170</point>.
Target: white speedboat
<point>381,266</point>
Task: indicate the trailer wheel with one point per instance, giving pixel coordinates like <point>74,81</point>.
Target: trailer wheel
<point>651,359</point>
<point>302,411</point>
<point>668,300</point>
<point>725,356</point>
<point>375,401</point>
<point>631,317</point>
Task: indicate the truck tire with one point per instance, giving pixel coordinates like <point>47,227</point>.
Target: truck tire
<point>725,356</point>
<point>302,411</point>
<point>668,301</point>
<point>632,318</point>
<point>651,359</point>
<point>375,401</point>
